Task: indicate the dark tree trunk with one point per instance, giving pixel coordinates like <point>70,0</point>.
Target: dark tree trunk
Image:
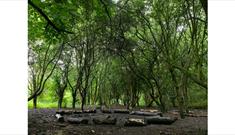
<point>83,101</point>
<point>74,101</point>
<point>73,104</point>
<point>150,103</point>
<point>173,101</point>
<point>35,102</point>
<point>60,102</point>
<point>82,107</point>
<point>117,100</point>
<point>162,104</point>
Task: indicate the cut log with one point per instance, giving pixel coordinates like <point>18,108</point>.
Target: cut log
<point>77,112</point>
<point>78,120</point>
<point>146,113</point>
<point>106,111</point>
<point>89,111</point>
<point>194,115</point>
<point>68,112</point>
<point>121,111</point>
<point>160,120</point>
<point>104,120</point>
<point>149,110</point>
<point>134,122</point>
<point>64,112</point>
<point>59,117</point>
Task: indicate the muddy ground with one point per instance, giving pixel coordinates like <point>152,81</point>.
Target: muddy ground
<point>44,122</point>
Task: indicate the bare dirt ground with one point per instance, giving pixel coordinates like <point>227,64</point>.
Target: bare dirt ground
<point>44,122</point>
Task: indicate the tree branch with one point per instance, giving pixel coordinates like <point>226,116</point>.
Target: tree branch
<point>47,18</point>
<point>192,77</point>
<point>106,9</point>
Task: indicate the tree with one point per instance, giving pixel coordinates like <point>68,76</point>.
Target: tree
<point>108,52</point>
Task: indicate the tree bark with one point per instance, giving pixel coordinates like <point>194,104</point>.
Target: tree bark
<point>83,102</point>
<point>178,93</point>
<point>74,101</point>
<point>60,102</point>
<point>35,102</point>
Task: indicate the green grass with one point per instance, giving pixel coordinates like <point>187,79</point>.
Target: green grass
<point>197,100</point>
<point>42,104</point>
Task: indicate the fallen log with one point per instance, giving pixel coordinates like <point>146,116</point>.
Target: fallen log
<point>146,113</point>
<point>64,112</point>
<point>77,112</point>
<point>59,117</point>
<point>78,120</point>
<point>89,111</point>
<point>194,115</point>
<point>106,111</point>
<point>125,111</point>
<point>160,120</point>
<point>105,120</point>
<point>68,112</point>
<point>134,122</point>
<point>149,110</point>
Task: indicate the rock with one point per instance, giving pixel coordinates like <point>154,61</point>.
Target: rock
<point>79,120</point>
<point>134,122</point>
<point>160,120</point>
<point>104,120</point>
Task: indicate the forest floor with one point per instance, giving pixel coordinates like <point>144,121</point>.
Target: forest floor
<point>44,122</point>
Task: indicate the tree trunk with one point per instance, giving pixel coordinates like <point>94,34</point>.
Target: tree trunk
<point>35,102</point>
<point>117,100</point>
<point>178,93</point>
<point>88,97</point>
<point>173,101</point>
<point>73,101</point>
<point>60,102</point>
<point>83,102</point>
<point>185,92</point>
<point>150,103</point>
<point>162,104</point>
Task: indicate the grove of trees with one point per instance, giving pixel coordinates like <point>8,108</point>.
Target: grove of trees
<point>128,52</point>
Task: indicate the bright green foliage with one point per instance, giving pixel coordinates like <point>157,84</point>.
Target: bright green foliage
<point>142,52</point>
